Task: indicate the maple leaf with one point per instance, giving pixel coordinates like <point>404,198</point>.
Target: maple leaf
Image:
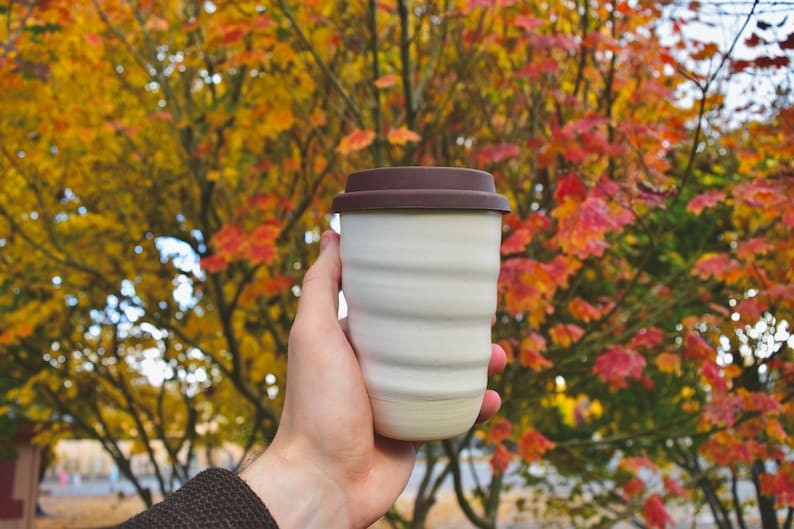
<point>696,348</point>
<point>386,81</point>
<point>709,199</point>
<point>156,23</point>
<point>498,153</point>
<point>710,372</point>
<point>750,309</point>
<point>634,464</point>
<point>762,402</point>
<point>565,334</point>
<point>527,23</point>
<point>570,186</point>
<point>655,513</point>
<point>261,247</point>
<point>582,310</point>
<point>673,488</point>
<point>719,266</point>
<point>648,337</point>
<point>355,141</point>
<point>618,365</point>
<point>532,445</point>
<point>501,458</point>
<point>516,242</point>
<point>531,348</point>
<point>229,241</point>
<point>723,409</point>
<point>500,429</point>
<point>214,263</point>
<point>401,136</point>
<point>668,363</point>
<point>634,487</point>
<point>752,247</point>
<point>780,485</point>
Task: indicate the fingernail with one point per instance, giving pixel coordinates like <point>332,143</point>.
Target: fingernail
<point>325,240</point>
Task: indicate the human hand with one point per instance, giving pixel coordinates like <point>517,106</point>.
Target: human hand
<point>326,466</point>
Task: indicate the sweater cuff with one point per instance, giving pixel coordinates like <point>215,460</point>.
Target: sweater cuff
<point>214,498</point>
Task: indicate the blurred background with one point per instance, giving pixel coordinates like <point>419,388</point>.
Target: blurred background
<point>167,168</point>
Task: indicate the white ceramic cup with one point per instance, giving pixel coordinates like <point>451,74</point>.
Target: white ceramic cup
<point>420,285</point>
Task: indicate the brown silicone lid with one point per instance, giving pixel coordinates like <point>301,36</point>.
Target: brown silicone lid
<point>420,188</point>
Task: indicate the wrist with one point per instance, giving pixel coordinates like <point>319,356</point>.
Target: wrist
<point>295,493</point>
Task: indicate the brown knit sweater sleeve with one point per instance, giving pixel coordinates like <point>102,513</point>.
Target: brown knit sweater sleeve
<point>215,498</point>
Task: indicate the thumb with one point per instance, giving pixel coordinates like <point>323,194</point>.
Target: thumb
<point>320,290</point>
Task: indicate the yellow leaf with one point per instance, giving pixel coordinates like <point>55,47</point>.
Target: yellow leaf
<point>402,136</point>
<point>355,141</point>
<point>214,175</point>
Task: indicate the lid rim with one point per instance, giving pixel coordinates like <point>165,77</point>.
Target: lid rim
<point>420,187</point>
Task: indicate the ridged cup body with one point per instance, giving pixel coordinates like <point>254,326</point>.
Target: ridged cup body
<point>420,286</point>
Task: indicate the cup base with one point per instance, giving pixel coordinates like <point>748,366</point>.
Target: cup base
<point>424,420</point>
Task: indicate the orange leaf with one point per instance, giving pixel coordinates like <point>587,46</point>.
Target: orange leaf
<point>156,23</point>
<point>355,141</point>
<point>582,310</point>
<point>262,244</point>
<point>386,81</point>
<point>533,445</point>
<point>565,334</point>
<point>517,242</point>
<point>402,136</point>
<point>500,430</point>
<point>500,459</point>
<point>668,363</point>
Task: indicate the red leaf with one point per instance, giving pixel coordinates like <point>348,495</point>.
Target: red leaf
<point>570,186</point>
<point>498,153</point>
<point>500,430</point>
<point>752,247</point>
<point>214,263</point>
<point>500,459</point>
<point>533,445</point>
<point>262,244</point>
<point>753,41</point>
<point>723,409</point>
<point>618,365</point>
<point>719,266</point>
<point>229,241</point>
<point>634,464</point>
<point>565,334</point>
<point>780,485</point>
<point>710,371</point>
<point>673,488</point>
<point>517,242</point>
<point>762,402</point>
<point>634,487</point>
<point>655,513</point>
<point>648,338</point>
<point>787,44</point>
<point>696,348</point>
<point>531,348</point>
<point>708,199</point>
<point>527,23</point>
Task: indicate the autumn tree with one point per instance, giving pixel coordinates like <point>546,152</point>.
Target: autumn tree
<point>168,167</point>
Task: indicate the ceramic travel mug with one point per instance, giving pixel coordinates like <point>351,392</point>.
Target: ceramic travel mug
<point>420,262</point>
